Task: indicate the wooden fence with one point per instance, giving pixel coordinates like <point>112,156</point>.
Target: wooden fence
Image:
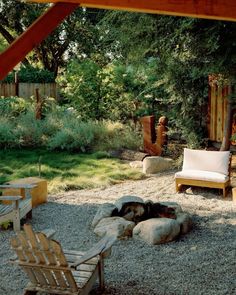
<point>218,99</point>
<point>26,90</point>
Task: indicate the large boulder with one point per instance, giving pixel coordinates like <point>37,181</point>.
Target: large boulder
<point>156,164</point>
<point>157,230</point>
<point>105,210</point>
<point>116,226</point>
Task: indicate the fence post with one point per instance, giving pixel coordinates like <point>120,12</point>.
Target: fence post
<point>39,104</point>
<point>16,84</point>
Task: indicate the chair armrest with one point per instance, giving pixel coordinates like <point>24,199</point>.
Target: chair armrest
<point>24,186</point>
<point>10,198</point>
<point>49,232</point>
<point>100,248</point>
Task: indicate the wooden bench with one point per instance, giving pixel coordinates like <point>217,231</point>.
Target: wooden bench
<point>206,169</point>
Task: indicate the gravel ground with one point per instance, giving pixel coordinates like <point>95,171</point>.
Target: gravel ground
<point>201,262</point>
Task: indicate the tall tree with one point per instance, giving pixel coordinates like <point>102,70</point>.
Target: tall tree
<point>75,36</point>
<point>188,51</point>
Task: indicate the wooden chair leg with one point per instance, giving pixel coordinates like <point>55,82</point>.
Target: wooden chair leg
<point>16,217</point>
<point>29,214</point>
<point>224,192</point>
<point>176,187</point>
<point>101,274</point>
<point>28,292</point>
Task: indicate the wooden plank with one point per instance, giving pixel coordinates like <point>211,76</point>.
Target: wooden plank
<point>71,259</point>
<point>4,209</point>
<point>37,32</point>
<point>219,133</point>
<point>62,262</point>
<point>214,111</point>
<point>98,249</point>
<point>7,89</point>
<point>31,258</point>
<point>34,244</point>
<point>16,245</point>
<point>52,261</point>
<point>221,9</point>
<point>26,248</point>
<point>10,198</point>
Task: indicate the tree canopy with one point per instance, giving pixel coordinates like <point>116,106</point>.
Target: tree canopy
<point>121,65</point>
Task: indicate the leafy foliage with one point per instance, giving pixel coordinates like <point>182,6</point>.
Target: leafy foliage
<point>62,129</point>
<point>13,106</point>
<point>113,91</point>
<point>29,74</point>
<point>8,137</point>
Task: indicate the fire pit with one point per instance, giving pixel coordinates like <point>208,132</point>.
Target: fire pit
<point>130,216</point>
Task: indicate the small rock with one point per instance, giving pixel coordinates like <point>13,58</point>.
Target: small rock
<point>157,230</point>
<point>127,199</point>
<point>189,191</point>
<point>173,205</point>
<point>117,226</point>
<point>156,164</point>
<point>136,164</point>
<point>104,210</point>
<point>185,222</point>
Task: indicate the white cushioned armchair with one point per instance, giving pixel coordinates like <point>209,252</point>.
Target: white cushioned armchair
<point>205,169</point>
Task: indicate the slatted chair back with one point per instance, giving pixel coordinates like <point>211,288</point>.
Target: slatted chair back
<point>44,261</point>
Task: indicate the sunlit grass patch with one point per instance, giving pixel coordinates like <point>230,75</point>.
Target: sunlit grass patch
<point>65,171</point>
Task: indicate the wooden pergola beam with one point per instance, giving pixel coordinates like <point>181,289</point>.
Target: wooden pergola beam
<point>34,35</point>
<point>211,9</point>
<point>41,28</point>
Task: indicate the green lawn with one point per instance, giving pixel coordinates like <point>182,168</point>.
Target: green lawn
<point>65,171</point>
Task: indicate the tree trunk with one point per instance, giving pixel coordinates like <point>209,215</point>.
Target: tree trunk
<point>225,146</point>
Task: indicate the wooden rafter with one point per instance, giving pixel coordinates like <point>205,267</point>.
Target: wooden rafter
<point>212,9</point>
<point>32,37</point>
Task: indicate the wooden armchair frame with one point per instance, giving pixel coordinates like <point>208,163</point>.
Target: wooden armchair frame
<point>54,271</point>
<point>16,207</point>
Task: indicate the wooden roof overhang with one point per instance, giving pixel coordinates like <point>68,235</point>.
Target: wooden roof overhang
<point>44,25</point>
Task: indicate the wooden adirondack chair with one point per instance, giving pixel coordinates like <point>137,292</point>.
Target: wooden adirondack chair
<point>17,207</point>
<point>54,271</point>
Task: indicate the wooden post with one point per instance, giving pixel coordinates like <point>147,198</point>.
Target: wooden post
<point>39,105</point>
<point>16,84</point>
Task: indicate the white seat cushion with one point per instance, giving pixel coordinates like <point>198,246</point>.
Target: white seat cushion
<point>215,161</point>
<point>202,175</point>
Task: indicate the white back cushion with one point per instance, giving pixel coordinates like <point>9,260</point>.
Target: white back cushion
<point>215,161</point>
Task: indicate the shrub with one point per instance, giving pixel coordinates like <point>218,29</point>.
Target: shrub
<point>73,135</point>
<point>114,135</point>
<point>62,129</point>
<point>13,106</point>
<point>8,136</point>
<point>30,130</point>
